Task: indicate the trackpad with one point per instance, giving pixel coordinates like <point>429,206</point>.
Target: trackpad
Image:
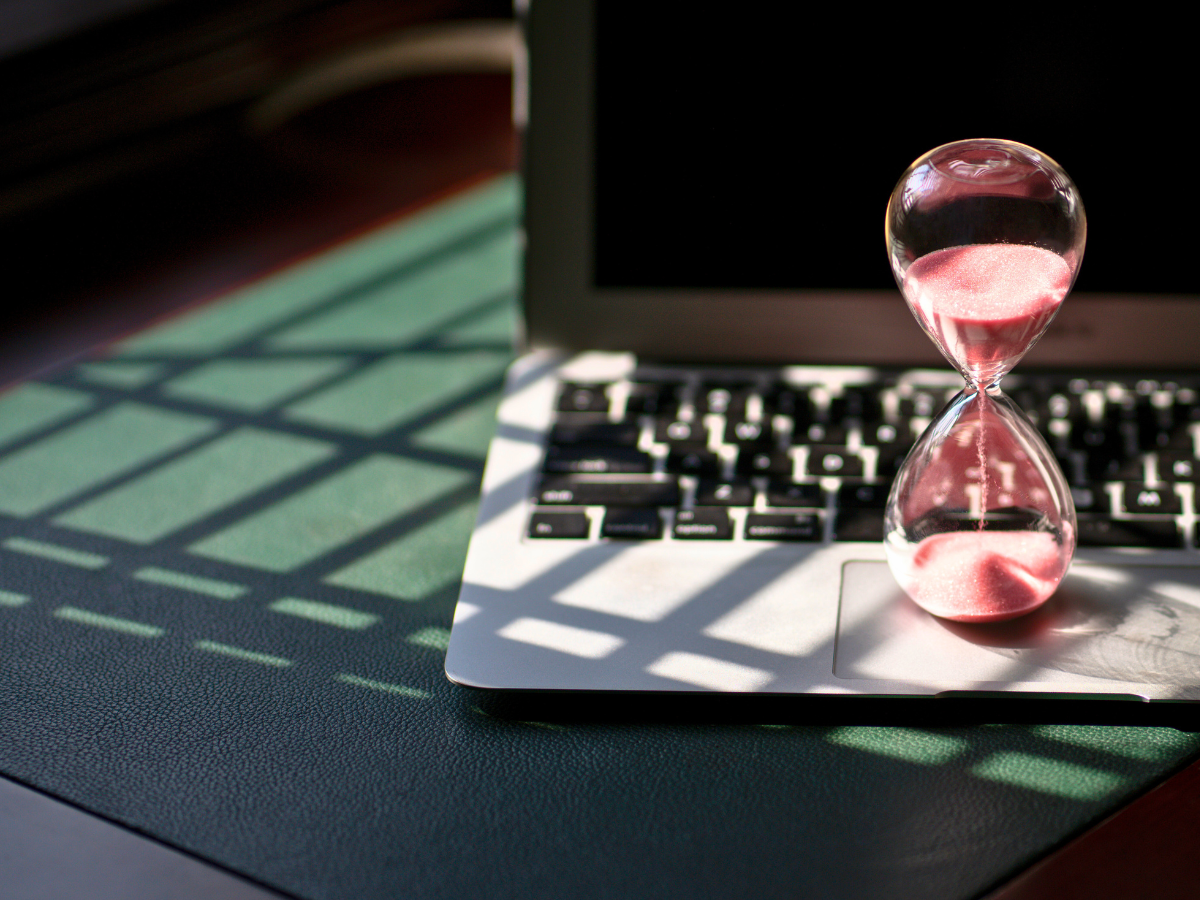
<point>1132,624</point>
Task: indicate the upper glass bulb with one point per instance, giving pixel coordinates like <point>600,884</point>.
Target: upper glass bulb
<point>985,238</point>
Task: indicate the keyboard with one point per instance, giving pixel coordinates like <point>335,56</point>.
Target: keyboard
<point>700,457</point>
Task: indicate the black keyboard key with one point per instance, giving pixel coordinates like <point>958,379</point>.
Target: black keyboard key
<point>729,401</point>
<point>1121,412</point>
<point>605,492</point>
<point>792,402</point>
<point>863,496</point>
<point>1108,454</point>
<point>594,431</point>
<point>686,461</point>
<point>651,399</point>
<point>889,468</point>
<point>863,404</point>
<point>632,524</point>
<point>591,459</point>
<point>1031,402</point>
<point>1156,423</point>
<point>1005,518</point>
<point>783,527</point>
<point>559,525</point>
<point>724,493</point>
<point>892,442</point>
<point>1140,499</point>
<point>1175,419</point>
<point>702,524</point>
<point>858,525</point>
<point>1110,460</point>
<point>1008,518</point>
<point>791,494</point>
<point>1128,434</point>
<point>1074,468</point>
<point>591,398</point>
<point>1177,465</point>
<point>892,453</point>
<point>1087,437</point>
<point>921,404</point>
<point>860,512</point>
<point>759,434</point>
<point>834,461</point>
<point>1091,499</point>
<point>1099,467</point>
<point>887,435</point>
<point>776,464</point>
<point>1100,531</point>
<point>1061,405</point>
<point>820,433</point>
<point>1131,468</point>
<point>1179,439</point>
<point>690,433</point>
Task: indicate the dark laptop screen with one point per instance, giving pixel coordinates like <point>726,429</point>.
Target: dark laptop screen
<point>759,152</point>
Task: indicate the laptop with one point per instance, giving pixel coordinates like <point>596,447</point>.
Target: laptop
<point>685,492</point>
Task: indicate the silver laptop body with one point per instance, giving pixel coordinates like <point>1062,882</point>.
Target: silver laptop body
<point>743,614</point>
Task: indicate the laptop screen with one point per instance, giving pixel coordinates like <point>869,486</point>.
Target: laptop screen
<point>713,188</point>
<point>759,151</point>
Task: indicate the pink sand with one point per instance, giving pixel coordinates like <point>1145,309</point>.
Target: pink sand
<point>974,576</point>
<point>987,303</point>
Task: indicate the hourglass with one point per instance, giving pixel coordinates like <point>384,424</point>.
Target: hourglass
<point>985,238</point>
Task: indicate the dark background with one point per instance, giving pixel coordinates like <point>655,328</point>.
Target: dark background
<point>127,167</point>
<point>760,151</point>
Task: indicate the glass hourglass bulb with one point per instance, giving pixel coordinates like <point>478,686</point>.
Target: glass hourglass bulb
<point>985,238</point>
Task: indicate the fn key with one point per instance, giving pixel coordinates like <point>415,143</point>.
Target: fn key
<point>559,525</point>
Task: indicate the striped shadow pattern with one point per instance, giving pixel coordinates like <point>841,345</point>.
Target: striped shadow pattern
<point>251,477</point>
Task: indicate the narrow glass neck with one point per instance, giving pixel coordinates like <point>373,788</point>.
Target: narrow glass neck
<point>983,372</point>
<point>978,385</point>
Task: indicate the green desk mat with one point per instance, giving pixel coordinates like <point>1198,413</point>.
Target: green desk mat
<point>230,552</point>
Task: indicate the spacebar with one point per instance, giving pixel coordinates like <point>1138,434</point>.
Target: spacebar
<point>608,492</point>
